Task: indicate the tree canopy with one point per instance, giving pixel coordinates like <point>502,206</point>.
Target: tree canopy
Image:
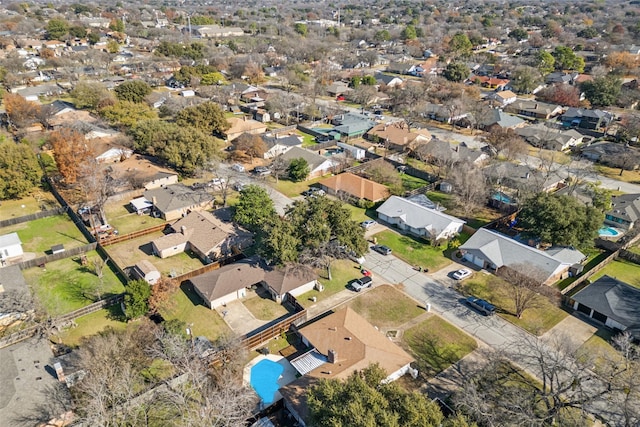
<point>127,113</point>
<point>560,220</point>
<point>456,72</point>
<point>133,90</point>
<point>565,58</point>
<point>57,28</point>
<point>207,117</point>
<point>298,169</point>
<point>19,170</point>
<point>460,45</point>
<point>136,299</point>
<point>91,95</point>
<point>255,209</point>
<point>602,91</point>
<point>71,152</point>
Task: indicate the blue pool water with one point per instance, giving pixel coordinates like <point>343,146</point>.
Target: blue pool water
<point>264,379</point>
<point>608,232</point>
<point>501,197</point>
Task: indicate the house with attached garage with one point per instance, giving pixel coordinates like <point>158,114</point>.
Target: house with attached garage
<point>502,98</point>
<point>491,250</point>
<point>419,220</point>
<point>550,138</point>
<point>398,135</point>
<point>174,201</point>
<point>277,145</point>
<point>340,344</point>
<point>611,302</point>
<point>625,211</point>
<point>496,118</point>
<point>354,186</point>
<point>586,119</point>
<point>10,248</point>
<point>532,108</point>
<point>318,165</point>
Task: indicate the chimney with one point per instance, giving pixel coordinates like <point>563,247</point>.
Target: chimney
<point>183,229</point>
<point>332,357</point>
<point>59,372</point>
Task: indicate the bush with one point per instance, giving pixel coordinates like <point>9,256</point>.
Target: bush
<point>365,204</point>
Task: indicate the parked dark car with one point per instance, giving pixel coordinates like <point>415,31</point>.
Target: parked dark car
<point>382,249</point>
<point>262,171</point>
<point>481,305</point>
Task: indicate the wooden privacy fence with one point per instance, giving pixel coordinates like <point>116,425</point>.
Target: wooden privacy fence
<point>118,239</point>
<point>38,215</point>
<point>587,274</point>
<point>255,338</point>
<point>56,257</point>
<point>209,267</point>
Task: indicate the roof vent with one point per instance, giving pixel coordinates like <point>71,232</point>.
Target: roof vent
<point>347,338</point>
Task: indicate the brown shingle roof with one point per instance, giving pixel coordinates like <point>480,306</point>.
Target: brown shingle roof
<point>356,186</point>
<point>356,343</point>
<point>230,278</point>
<point>286,279</point>
<point>398,133</point>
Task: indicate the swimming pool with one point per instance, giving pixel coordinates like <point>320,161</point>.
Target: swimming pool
<point>608,232</point>
<point>264,379</point>
<point>501,197</point>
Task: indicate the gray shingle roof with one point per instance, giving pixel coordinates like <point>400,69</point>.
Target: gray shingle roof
<point>415,215</point>
<point>177,196</point>
<point>314,160</point>
<point>613,298</point>
<point>626,206</point>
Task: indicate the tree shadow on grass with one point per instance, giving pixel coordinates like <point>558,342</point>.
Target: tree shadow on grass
<point>432,356</point>
<point>114,312</point>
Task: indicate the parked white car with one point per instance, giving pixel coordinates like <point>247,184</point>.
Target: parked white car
<point>463,273</point>
<point>368,224</point>
<point>237,167</point>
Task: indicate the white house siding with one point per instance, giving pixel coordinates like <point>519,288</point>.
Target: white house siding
<point>11,251</point>
<point>397,374</point>
<point>303,289</point>
<point>161,182</point>
<point>175,250</point>
<point>615,325</point>
<point>239,294</point>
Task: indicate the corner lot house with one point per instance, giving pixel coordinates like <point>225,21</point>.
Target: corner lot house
<point>625,211</point>
<point>491,250</point>
<point>611,302</point>
<point>10,247</point>
<point>341,343</point>
<point>419,220</point>
<point>173,201</point>
<point>354,186</point>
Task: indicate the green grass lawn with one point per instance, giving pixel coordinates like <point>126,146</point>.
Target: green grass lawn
<point>126,222</point>
<point>66,285</point>
<point>594,257</point>
<point>92,324</point>
<point>361,214</point>
<point>186,306</point>
<point>386,307</point>
<point>413,251</point>
<point>621,269</point>
<point>536,320</point>
<point>598,349</point>
<point>444,199</point>
<point>480,218</point>
<point>436,344</point>
<point>307,140</point>
<point>263,307</point>
<point>292,189</point>
<point>342,272</point>
<point>411,182</point>
<point>27,205</point>
<point>39,235</point>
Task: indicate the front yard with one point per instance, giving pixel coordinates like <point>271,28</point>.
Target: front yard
<point>292,189</point>
<point>342,272</point>
<point>39,235</point>
<point>413,251</point>
<point>632,177</point>
<point>386,307</point>
<point>436,344</point>
<point>66,285</point>
<point>621,269</point>
<point>537,320</point>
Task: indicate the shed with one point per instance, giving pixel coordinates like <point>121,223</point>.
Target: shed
<point>146,271</point>
<point>56,249</point>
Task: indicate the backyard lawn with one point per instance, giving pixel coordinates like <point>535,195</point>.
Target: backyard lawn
<point>92,324</point>
<point>386,307</point>
<point>27,205</point>
<point>186,306</point>
<point>437,344</point>
<point>66,285</point>
<point>413,251</point>
<point>127,222</point>
<point>128,253</point>
<point>621,269</point>
<point>342,272</point>
<point>292,189</point>
<point>262,306</point>
<point>536,320</point>
<point>39,235</point>
<point>361,214</point>
<point>411,182</point>
<point>307,140</point>
<point>594,257</point>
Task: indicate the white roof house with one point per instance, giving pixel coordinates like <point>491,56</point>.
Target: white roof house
<point>419,220</point>
<point>10,246</point>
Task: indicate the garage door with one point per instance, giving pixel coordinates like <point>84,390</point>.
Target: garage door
<point>476,260</point>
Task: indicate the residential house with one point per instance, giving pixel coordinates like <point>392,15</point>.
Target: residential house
<point>34,93</point>
<point>419,220</point>
<point>205,235</point>
<point>277,144</point>
<point>161,179</point>
<point>10,248</point>
<point>387,80</point>
<point>443,114</point>
<point>560,77</point>
<point>611,302</point>
<point>521,178</point>
<point>341,343</point>
<point>490,82</point>
<point>586,119</point>
<point>398,135</point>
<point>550,138</point>
<point>173,201</point>
<point>338,88</point>
<point>614,154</point>
<point>242,125</point>
<point>354,186</point>
<point>351,125</point>
<point>230,282</point>
<point>318,165</point>
<point>114,155</point>
<point>624,212</point>
<point>15,297</point>
<point>491,250</point>
<point>442,152</point>
<point>536,109</point>
<point>399,67</point>
<point>146,271</point>
<point>253,94</point>
<point>496,118</point>
<point>213,31</point>
<point>502,98</point>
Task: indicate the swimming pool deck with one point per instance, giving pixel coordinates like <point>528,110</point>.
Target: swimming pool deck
<point>289,374</point>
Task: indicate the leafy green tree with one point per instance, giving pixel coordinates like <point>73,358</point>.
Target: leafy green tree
<point>202,20</point>
<point>602,91</point>
<point>525,79</point>
<point>519,34</point>
<point>113,46</point>
<point>214,78</point>
<point>545,62</point>
<point>207,117</point>
<point>255,209</point>
<point>460,45</point>
<point>78,31</point>
<point>19,170</point>
<point>91,95</point>
<point>298,169</point>
<point>588,33</point>
<point>456,72</point>
<point>133,91</point>
<point>409,33</point>
<point>301,29</point>
<point>560,220</point>
<point>56,29</point>
<point>363,401</point>
<point>93,38</point>
<point>567,59</point>
<point>368,80</point>
<point>117,25</point>
<point>127,113</point>
<point>278,242</point>
<point>382,36</point>
<point>136,299</point>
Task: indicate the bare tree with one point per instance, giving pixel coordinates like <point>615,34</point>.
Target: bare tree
<point>95,186</point>
<point>527,289</point>
<point>470,186</point>
<point>507,143</point>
